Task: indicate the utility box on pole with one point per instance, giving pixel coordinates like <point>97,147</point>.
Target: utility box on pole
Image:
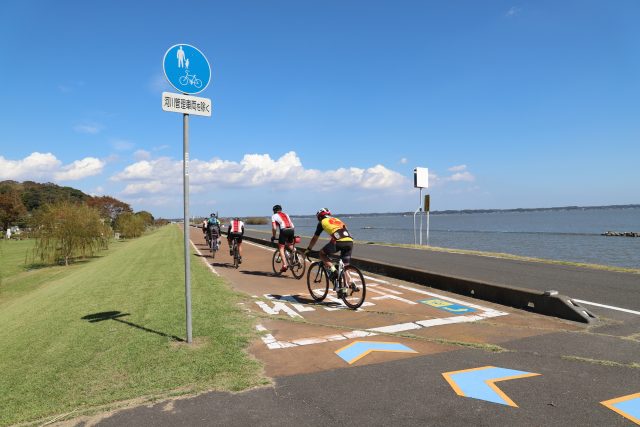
<point>427,200</point>
<point>421,178</point>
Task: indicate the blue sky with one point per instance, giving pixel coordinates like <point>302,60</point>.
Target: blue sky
<point>508,103</point>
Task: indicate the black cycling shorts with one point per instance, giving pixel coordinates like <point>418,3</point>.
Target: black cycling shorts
<point>286,236</point>
<point>345,249</point>
<point>235,236</point>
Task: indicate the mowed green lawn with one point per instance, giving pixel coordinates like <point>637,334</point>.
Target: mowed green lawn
<point>52,361</point>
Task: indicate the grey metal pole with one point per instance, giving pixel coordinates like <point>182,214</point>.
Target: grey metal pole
<point>421,217</point>
<point>427,228</point>
<point>187,258</point>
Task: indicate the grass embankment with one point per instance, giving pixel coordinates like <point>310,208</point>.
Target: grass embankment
<point>53,361</point>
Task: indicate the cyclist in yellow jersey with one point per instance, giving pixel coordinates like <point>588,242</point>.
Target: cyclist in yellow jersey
<point>341,240</point>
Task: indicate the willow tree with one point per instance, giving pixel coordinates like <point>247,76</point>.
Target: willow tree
<point>66,230</point>
<point>130,225</point>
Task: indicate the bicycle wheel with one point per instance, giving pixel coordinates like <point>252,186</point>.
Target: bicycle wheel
<point>354,294</point>
<point>197,83</point>
<point>236,255</point>
<point>276,262</point>
<point>297,264</point>
<point>317,281</point>
<point>213,247</point>
<point>183,80</point>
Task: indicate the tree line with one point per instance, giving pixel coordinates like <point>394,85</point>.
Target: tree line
<point>67,223</point>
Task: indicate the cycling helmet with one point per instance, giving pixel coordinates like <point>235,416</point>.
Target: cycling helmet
<point>212,215</point>
<point>322,213</point>
<point>277,208</point>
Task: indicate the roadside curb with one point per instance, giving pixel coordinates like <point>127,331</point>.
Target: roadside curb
<point>549,303</point>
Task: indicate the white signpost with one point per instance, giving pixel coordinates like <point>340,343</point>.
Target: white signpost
<point>421,180</point>
<point>187,70</point>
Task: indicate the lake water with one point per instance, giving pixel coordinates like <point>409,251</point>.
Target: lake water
<point>568,235</point>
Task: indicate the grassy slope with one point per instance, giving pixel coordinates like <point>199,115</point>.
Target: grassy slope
<point>52,361</point>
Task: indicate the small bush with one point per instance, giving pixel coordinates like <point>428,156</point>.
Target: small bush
<point>130,225</point>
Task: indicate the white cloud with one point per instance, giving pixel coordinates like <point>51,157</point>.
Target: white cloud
<point>89,166</point>
<point>142,155</point>
<point>45,166</point>
<point>122,144</point>
<point>404,160</point>
<point>35,166</point>
<point>158,83</point>
<point>254,170</point>
<point>462,176</point>
<point>90,128</point>
<point>458,168</point>
<point>513,11</point>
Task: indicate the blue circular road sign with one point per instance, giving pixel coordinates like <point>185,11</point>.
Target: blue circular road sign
<point>186,68</point>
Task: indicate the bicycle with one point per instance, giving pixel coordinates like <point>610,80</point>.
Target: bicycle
<point>236,252</point>
<point>295,260</point>
<point>352,294</point>
<point>190,79</point>
<point>214,244</point>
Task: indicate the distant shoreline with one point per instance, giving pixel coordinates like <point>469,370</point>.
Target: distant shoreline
<point>476,211</point>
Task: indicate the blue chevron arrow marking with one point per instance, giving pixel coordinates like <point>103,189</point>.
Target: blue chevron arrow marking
<point>359,349</point>
<point>479,383</point>
<point>627,406</point>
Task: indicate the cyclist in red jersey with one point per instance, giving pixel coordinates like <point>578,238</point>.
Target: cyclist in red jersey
<point>236,230</point>
<point>282,221</point>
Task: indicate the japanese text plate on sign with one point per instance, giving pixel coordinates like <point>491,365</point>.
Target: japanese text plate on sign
<point>178,103</point>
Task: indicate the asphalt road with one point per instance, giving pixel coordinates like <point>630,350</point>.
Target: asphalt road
<point>573,368</point>
<point>620,290</point>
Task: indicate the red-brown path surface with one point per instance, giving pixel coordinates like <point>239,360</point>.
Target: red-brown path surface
<point>300,336</point>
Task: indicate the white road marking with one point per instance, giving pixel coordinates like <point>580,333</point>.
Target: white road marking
<point>385,295</point>
<point>273,344</point>
<point>204,259</point>
<point>610,307</point>
<point>375,278</point>
<point>277,308</point>
<point>292,300</point>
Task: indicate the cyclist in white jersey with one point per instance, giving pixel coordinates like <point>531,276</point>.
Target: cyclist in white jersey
<point>282,221</point>
<point>236,230</point>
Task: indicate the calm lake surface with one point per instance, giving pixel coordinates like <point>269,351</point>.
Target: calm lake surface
<point>568,235</point>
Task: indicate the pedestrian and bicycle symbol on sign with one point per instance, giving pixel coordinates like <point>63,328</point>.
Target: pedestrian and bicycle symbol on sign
<point>187,69</point>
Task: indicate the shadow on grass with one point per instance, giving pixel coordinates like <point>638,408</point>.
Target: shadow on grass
<point>74,261</point>
<point>116,315</point>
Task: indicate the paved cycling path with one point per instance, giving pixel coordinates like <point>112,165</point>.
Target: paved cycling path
<point>409,357</point>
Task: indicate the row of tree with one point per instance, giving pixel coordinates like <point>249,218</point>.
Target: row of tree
<point>65,222</point>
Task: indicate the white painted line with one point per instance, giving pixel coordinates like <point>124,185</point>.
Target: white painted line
<point>375,278</point>
<point>203,258</point>
<point>610,307</point>
<point>388,296</point>
<point>400,327</point>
